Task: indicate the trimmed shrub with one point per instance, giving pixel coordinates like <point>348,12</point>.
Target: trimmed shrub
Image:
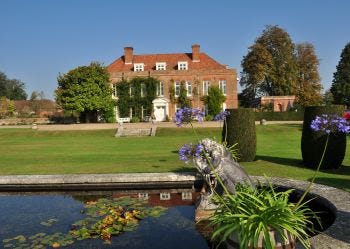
<point>209,118</point>
<point>241,130</point>
<point>312,143</point>
<point>135,120</point>
<point>280,116</point>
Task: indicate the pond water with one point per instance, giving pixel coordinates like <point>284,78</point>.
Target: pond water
<point>27,216</point>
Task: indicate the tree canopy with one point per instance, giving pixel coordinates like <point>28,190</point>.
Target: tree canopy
<point>214,100</point>
<point>308,89</point>
<point>85,89</point>
<point>275,66</point>
<point>341,79</point>
<point>12,89</point>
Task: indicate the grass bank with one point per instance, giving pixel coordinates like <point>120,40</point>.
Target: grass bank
<point>25,151</point>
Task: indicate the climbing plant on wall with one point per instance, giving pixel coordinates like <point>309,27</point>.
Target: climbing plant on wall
<point>138,94</point>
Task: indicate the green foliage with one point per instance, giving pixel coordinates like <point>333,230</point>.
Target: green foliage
<point>85,89</point>
<point>208,118</point>
<point>134,120</point>
<point>12,89</point>
<point>341,79</point>
<point>214,100</point>
<point>240,128</point>
<point>251,213</point>
<point>7,107</point>
<point>182,100</point>
<point>313,143</point>
<point>309,87</point>
<point>280,116</point>
<point>138,94</point>
<point>270,67</point>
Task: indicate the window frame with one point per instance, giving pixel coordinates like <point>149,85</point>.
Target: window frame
<point>139,67</point>
<point>206,85</point>
<point>182,65</point>
<point>177,88</point>
<point>223,86</point>
<point>160,89</point>
<point>189,86</point>
<point>160,66</point>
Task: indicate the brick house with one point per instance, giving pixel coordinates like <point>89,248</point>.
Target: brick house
<point>197,70</point>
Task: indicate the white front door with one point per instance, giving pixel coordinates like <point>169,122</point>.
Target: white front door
<point>160,113</point>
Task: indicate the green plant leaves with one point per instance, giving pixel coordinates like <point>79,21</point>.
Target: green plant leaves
<point>104,218</point>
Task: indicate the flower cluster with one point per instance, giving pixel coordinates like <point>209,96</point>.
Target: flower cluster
<point>330,124</point>
<point>187,151</point>
<point>221,116</point>
<point>187,115</point>
<point>347,115</point>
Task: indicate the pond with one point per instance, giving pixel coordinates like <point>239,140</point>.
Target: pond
<point>46,220</point>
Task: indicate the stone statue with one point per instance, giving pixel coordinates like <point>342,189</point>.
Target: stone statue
<point>229,171</point>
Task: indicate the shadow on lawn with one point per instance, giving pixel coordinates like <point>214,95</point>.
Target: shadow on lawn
<point>343,170</point>
<point>334,182</point>
<point>280,160</point>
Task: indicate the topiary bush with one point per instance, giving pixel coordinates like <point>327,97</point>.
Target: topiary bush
<point>312,143</point>
<point>280,116</point>
<point>240,128</point>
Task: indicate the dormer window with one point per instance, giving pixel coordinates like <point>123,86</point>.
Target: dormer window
<point>182,65</point>
<point>138,67</point>
<point>160,66</point>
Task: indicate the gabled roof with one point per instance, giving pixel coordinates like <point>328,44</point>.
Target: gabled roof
<point>171,60</point>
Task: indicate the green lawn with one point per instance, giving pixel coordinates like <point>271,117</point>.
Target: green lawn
<point>25,151</point>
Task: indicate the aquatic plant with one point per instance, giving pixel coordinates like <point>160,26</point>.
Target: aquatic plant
<point>105,218</point>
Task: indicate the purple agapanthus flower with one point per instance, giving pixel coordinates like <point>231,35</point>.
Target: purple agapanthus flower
<point>221,116</point>
<point>188,151</point>
<point>330,124</point>
<point>186,115</point>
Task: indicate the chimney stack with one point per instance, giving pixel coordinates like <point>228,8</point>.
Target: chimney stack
<point>128,55</point>
<point>196,53</point>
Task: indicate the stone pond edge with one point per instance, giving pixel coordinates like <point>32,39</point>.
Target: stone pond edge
<point>337,236</point>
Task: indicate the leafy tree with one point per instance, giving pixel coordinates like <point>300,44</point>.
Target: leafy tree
<point>12,88</point>
<point>328,98</point>
<point>214,100</point>
<point>7,107</point>
<point>37,95</point>
<point>341,79</point>
<point>85,89</point>
<point>256,66</point>
<point>183,100</point>
<point>308,79</point>
<point>270,67</point>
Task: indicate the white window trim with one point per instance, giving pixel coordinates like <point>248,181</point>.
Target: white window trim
<point>160,89</point>
<point>221,88</point>
<point>160,66</point>
<point>187,84</point>
<point>139,67</point>
<point>206,85</point>
<point>181,63</point>
<point>179,84</point>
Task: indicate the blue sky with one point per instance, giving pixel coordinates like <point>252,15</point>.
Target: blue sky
<point>41,38</point>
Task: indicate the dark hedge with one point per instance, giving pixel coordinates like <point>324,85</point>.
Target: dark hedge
<point>312,143</point>
<point>279,116</point>
<point>241,130</point>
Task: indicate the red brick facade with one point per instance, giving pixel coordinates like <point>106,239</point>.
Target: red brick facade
<point>279,103</point>
<point>194,68</point>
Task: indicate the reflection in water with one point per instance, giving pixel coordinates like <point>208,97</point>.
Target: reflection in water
<point>22,215</point>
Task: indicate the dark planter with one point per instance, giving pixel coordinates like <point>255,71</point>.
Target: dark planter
<point>312,143</point>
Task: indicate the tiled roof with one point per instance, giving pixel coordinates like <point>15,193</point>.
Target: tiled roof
<point>171,60</point>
